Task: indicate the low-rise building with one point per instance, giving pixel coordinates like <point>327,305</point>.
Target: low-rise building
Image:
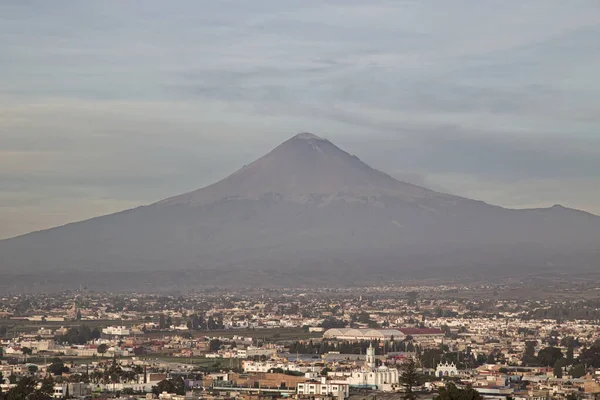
<point>324,387</point>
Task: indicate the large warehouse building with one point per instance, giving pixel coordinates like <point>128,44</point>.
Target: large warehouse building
<point>363,334</point>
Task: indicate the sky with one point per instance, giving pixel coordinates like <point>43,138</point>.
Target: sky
<point>107,105</point>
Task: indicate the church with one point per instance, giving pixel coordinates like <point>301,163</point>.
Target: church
<point>370,375</point>
<point>446,369</point>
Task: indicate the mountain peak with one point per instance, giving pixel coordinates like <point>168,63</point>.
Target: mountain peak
<point>305,213</point>
<point>306,136</point>
<point>303,167</point>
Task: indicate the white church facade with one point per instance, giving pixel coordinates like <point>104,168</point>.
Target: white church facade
<point>446,369</point>
<point>371,376</point>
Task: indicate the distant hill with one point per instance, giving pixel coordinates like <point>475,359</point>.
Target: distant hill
<point>307,213</point>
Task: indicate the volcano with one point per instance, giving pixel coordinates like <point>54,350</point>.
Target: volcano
<point>307,213</point>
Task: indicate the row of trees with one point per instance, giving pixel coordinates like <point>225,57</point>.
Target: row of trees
<point>351,347</point>
<point>584,310</point>
<point>193,322</point>
<point>548,356</point>
<point>80,335</point>
<point>554,357</point>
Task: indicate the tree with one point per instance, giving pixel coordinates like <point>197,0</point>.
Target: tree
<point>211,324</point>
<point>577,371</point>
<point>102,348</point>
<point>32,369</point>
<point>26,352</point>
<point>80,335</point>
<point>38,395</point>
<point>161,322</point>
<point>23,389</point>
<point>558,366</point>
<point>409,378</point>
<point>570,346</point>
<point>47,386</point>
<point>214,345</point>
<point>411,298</point>
<point>176,386</point>
<point>447,330</point>
<point>365,318</point>
<point>529,358</point>
<point>451,392</point>
<point>431,358</point>
<point>95,334</point>
<point>194,322</point>
<point>57,367</point>
<point>549,356</point>
<point>591,356</point>
<point>332,322</point>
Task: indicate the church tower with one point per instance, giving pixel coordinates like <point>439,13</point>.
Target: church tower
<point>370,362</point>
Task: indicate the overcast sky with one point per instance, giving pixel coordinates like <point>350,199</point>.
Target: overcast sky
<point>106,105</point>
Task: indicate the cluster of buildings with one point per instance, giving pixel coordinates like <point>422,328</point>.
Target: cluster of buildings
<point>315,343</point>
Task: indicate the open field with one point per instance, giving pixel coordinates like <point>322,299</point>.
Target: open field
<point>201,362</point>
<point>271,334</point>
<point>23,326</point>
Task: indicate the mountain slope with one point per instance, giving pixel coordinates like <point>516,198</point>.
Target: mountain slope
<point>307,212</point>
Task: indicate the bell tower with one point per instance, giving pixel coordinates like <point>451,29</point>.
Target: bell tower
<point>370,362</point>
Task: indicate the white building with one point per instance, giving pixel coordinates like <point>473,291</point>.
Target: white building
<point>446,369</point>
<point>59,392</point>
<point>41,345</point>
<point>324,387</point>
<point>116,331</point>
<point>251,351</point>
<point>181,327</point>
<point>363,334</point>
<point>72,389</point>
<point>266,366</point>
<point>380,378</point>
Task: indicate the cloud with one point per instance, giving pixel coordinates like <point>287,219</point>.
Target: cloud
<point>112,105</point>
